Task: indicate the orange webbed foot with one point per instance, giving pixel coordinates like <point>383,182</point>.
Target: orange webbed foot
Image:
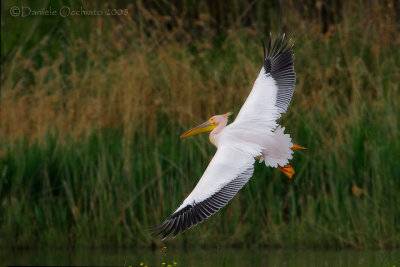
<point>297,147</point>
<point>287,170</point>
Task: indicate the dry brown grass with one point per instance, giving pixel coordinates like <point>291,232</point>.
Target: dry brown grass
<point>156,77</point>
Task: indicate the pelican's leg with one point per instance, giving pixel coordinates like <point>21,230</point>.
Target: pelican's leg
<point>287,170</point>
<point>297,147</point>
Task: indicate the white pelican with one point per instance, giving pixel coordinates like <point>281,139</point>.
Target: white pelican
<point>254,134</point>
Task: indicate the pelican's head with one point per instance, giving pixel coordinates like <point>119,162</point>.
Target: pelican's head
<point>208,125</point>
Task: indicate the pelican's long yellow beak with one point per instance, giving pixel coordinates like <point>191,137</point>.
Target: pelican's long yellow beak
<point>205,127</point>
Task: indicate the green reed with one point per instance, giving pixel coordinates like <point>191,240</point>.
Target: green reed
<point>90,152</point>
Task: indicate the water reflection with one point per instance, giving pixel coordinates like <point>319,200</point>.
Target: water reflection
<point>217,257</point>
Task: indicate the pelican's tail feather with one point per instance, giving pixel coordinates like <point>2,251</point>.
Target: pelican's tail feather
<point>278,150</point>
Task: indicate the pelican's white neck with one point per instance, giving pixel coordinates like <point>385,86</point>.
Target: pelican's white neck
<point>214,133</point>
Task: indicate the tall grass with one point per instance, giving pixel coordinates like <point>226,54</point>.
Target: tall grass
<point>90,153</point>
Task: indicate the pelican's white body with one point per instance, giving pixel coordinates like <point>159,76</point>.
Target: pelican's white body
<point>255,133</point>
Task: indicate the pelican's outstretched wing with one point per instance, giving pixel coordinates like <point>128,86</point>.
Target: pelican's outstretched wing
<point>227,173</point>
<point>273,89</point>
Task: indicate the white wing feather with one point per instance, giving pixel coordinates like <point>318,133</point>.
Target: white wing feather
<point>227,164</point>
<point>259,109</point>
<point>229,170</point>
<point>273,89</point>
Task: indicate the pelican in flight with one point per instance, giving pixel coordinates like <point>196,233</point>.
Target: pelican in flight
<point>254,135</point>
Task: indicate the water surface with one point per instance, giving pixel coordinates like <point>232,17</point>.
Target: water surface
<point>196,257</point>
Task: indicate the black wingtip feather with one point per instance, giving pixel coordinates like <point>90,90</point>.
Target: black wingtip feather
<point>263,48</point>
<point>196,213</point>
<point>279,63</point>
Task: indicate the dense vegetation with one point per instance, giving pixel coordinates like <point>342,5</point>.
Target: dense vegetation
<point>92,108</point>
